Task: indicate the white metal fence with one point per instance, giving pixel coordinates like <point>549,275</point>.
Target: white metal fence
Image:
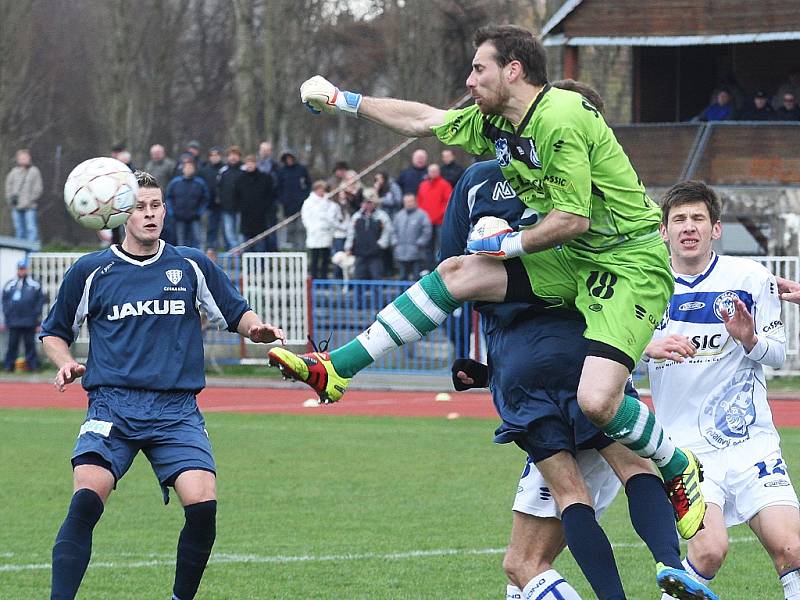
<point>789,268</point>
<point>273,283</point>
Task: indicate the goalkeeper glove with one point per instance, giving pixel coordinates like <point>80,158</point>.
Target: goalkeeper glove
<point>320,95</point>
<point>502,245</point>
<point>478,372</point>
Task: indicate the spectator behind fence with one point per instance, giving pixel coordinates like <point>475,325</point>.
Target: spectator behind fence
<point>255,195</point>
<point>341,227</point>
<point>160,165</point>
<point>432,197</point>
<point>231,217</point>
<point>266,164</point>
<point>410,177</point>
<point>389,193</point>
<point>338,176</point>
<point>23,300</point>
<point>186,199</point>
<point>413,233</point>
<point>120,153</point>
<point>23,190</point>
<point>352,193</point>
<point>721,109</point>
<point>321,216</point>
<point>294,185</point>
<point>758,109</point>
<point>369,234</point>
<point>451,170</point>
<point>788,110</point>
<point>210,174</point>
<point>790,85</point>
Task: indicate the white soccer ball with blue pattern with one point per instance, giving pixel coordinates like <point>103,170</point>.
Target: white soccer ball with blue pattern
<point>489,226</point>
<point>100,193</point>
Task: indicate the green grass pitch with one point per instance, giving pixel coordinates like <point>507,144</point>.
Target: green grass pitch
<point>316,507</point>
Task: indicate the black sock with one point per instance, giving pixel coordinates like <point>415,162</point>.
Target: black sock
<point>653,518</point>
<point>592,551</point>
<point>194,547</point>
<point>73,547</point>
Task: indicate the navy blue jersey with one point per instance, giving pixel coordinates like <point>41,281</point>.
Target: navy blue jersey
<point>143,316</point>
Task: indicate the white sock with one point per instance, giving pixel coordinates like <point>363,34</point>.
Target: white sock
<point>544,584</point>
<point>513,592</point>
<point>791,584</point>
<point>694,573</point>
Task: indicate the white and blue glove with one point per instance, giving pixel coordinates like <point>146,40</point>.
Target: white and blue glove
<point>494,237</point>
<point>320,95</point>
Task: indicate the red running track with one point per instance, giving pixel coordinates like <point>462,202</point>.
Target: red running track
<point>786,411</point>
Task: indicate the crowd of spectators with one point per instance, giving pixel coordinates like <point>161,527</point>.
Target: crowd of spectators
<point>730,103</point>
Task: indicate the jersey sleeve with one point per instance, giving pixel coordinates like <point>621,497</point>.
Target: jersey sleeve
<point>463,127</point>
<point>770,350</point>
<point>70,307</point>
<point>566,172</point>
<point>216,294</point>
<point>455,226</point>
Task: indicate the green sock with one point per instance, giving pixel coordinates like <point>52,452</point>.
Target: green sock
<point>635,427</point>
<point>416,312</point>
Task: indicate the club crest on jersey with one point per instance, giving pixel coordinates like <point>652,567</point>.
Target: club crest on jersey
<point>502,152</point>
<point>174,275</point>
<point>725,300</point>
<point>728,412</point>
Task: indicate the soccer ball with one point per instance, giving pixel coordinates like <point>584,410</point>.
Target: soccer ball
<point>100,193</point>
<point>488,227</point>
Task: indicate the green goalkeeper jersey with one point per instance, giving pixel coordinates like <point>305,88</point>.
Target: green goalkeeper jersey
<point>563,155</point>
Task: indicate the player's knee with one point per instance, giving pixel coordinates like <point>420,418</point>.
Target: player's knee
<point>708,558</point>
<point>786,556</point>
<point>519,566</point>
<point>452,269</point>
<point>201,519</point>
<point>595,404</point>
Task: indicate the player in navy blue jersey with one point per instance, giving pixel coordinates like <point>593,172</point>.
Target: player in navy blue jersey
<point>144,369</point>
<point>535,394</point>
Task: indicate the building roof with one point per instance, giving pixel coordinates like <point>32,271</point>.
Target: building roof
<point>671,23</point>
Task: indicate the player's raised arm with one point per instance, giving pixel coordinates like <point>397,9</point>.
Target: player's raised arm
<point>412,119</point>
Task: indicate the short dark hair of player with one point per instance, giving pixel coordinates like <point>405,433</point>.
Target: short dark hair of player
<point>691,191</point>
<point>515,43</point>
<point>585,90</point>
<point>146,180</point>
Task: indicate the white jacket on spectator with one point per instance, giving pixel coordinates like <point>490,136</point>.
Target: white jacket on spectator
<point>320,218</point>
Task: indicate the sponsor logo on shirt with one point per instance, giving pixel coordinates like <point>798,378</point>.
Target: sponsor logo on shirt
<point>503,191</point>
<point>777,483</point>
<point>557,182</point>
<point>147,307</point>
<point>692,306</point>
<point>771,326</point>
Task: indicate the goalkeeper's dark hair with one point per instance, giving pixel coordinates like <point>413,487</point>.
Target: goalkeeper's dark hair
<point>686,192</point>
<point>516,43</point>
<point>592,95</point>
<point>146,180</point>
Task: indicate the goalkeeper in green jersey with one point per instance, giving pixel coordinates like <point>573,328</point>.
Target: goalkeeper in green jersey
<point>593,244</point>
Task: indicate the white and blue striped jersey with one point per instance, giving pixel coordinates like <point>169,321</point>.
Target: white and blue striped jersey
<point>718,398</point>
<point>144,316</point>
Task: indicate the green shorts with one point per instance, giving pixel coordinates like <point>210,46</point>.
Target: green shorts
<point>622,293</point>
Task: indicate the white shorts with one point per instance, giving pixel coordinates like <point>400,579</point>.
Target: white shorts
<point>746,478</point>
<point>534,497</point>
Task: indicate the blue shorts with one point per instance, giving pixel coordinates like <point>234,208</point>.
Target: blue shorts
<point>535,364</point>
<point>166,426</point>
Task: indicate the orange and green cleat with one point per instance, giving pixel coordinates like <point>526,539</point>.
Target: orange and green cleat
<point>314,369</point>
<point>686,497</point>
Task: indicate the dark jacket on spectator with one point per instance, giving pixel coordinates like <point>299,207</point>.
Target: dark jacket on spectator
<point>187,199</point>
<point>751,113</point>
<point>787,115</point>
<point>23,301</point>
<point>452,172</point>
<point>294,185</point>
<point>369,234</point>
<point>410,178</point>
<point>210,174</point>
<point>254,194</point>
<point>225,185</point>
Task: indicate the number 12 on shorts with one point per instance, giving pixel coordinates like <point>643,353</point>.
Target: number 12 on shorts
<point>779,468</point>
